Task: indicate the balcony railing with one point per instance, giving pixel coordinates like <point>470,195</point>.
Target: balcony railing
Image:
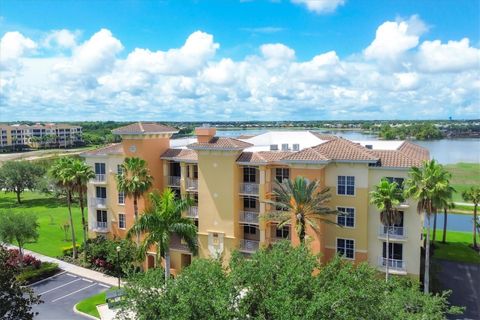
<point>393,232</point>
<point>393,264</point>
<point>98,202</point>
<point>192,184</point>
<point>249,217</point>
<point>101,224</point>
<point>249,188</point>
<point>99,177</point>
<point>249,246</point>
<point>192,212</point>
<point>173,181</point>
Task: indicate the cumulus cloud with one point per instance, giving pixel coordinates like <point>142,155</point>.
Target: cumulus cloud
<point>320,6</point>
<point>452,56</point>
<point>61,38</point>
<point>14,45</point>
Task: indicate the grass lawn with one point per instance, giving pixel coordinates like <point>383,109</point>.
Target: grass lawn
<point>89,305</point>
<point>458,247</point>
<point>52,213</point>
<point>464,175</point>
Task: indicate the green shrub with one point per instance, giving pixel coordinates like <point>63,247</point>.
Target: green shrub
<point>31,274</point>
<point>68,250</point>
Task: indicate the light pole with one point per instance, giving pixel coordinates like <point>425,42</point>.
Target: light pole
<point>118,265</point>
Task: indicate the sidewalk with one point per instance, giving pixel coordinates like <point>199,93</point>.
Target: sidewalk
<point>80,271</point>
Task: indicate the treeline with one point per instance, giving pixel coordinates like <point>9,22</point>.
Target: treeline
<point>425,131</point>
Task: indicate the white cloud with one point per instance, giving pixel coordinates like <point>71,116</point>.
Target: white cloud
<point>61,38</point>
<point>222,73</point>
<point>393,38</point>
<point>452,56</point>
<point>325,67</point>
<point>320,6</point>
<point>14,45</point>
<point>406,81</point>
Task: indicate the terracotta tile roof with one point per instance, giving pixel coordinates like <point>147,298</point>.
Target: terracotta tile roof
<point>220,143</point>
<point>144,128</point>
<point>414,151</point>
<point>308,154</point>
<point>262,156</point>
<point>396,159</point>
<point>116,148</point>
<point>323,136</point>
<point>180,155</point>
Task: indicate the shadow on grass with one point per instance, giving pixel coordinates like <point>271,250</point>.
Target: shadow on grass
<point>11,202</point>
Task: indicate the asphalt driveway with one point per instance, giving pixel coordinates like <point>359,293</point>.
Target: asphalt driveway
<point>61,292</point>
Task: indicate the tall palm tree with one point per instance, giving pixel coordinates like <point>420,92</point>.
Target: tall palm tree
<point>161,221</point>
<point>444,201</point>
<point>426,184</point>
<point>473,195</point>
<point>134,181</point>
<point>450,205</point>
<point>64,177</point>
<point>302,202</point>
<point>82,174</point>
<point>386,197</point>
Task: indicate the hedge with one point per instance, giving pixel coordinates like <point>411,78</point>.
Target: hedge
<point>31,274</point>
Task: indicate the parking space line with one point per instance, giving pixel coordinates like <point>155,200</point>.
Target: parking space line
<point>67,295</point>
<point>43,280</point>
<point>88,280</point>
<point>71,275</point>
<point>103,285</point>
<point>61,286</point>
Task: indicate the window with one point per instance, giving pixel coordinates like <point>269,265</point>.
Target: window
<point>249,203</point>
<point>250,174</point>
<point>346,185</point>
<point>395,251</point>
<point>101,192</point>
<point>249,230</point>
<point>121,197</point>
<point>399,181</point>
<point>178,195</point>
<point>119,169</point>
<point>122,224</point>
<point>175,169</point>
<point>346,217</point>
<point>282,174</point>
<point>99,168</point>
<point>346,248</point>
<point>101,216</point>
<point>195,172</point>
<point>283,232</point>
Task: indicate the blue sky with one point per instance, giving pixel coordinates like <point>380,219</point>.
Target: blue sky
<point>239,60</point>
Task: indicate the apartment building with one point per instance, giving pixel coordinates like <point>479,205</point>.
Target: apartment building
<point>40,135</point>
<point>230,179</point>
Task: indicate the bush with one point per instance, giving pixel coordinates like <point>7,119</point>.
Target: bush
<point>68,250</point>
<point>102,254</point>
<point>31,274</point>
<point>28,260</point>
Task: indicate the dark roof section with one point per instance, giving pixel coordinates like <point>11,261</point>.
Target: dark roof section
<point>186,155</point>
<point>220,143</point>
<point>116,148</point>
<point>144,128</point>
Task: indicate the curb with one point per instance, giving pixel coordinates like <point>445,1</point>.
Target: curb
<point>83,313</point>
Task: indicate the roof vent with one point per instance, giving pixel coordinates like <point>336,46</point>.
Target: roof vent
<point>296,147</point>
<point>284,146</point>
<point>369,146</point>
<point>273,147</point>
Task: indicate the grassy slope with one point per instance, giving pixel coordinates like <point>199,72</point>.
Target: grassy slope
<point>89,305</point>
<point>458,247</point>
<point>51,238</point>
<point>464,175</point>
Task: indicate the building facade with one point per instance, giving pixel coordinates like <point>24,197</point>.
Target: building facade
<point>230,180</point>
<point>40,135</point>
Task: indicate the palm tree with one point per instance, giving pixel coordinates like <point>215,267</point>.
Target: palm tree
<point>450,205</point>
<point>134,181</point>
<point>473,195</point>
<point>161,221</point>
<point>301,202</point>
<point>386,197</point>
<point>426,184</point>
<point>64,177</point>
<point>82,174</point>
<point>444,201</point>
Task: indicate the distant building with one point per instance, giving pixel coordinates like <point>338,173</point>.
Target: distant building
<point>40,135</point>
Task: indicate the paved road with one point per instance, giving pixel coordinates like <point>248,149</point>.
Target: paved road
<point>61,292</point>
<point>464,281</point>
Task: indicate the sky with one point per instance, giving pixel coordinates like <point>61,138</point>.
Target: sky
<point>239,60</point>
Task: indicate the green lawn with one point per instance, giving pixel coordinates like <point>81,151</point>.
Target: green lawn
<point>464,175</point>
<point>89,305</point>
<point>458,247</point>
<point>51,214</point>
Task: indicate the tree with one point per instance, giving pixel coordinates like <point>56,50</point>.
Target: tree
<point>16,300</point>
<point>18,176</point>
<point>161,221</point>
<point>64,177</point>
<point>19,228</point>
<point>82,173</point>
<point>473,195</point>
<point>300,203</point>
<point>386,197</point>
<point>427,184</point>
<point>451,205</point>
<point>134,181</point>
<point>444,201</point>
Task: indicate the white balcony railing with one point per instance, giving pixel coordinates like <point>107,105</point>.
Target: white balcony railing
<point>393,232</point>
<point>249,217</point>
<point>249,188</point>
<point>249,246</point>
<point>99,177</point>
<point>393,264</point>
<point>173,181</point>
<point>192,212</point>
<point>98,202</point>
<point>101,225</point>
<point>192,184</point>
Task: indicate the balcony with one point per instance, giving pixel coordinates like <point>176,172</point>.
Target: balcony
<point>100,177</point>
<point>394,265</point>
<point>101,226</point>
<point>173,181</point>
<point>249,188</point>
<point>98,202</point>
<point>249,217</point>
<point>192,184</point>
<point>393,232</point>
<point>192,212</point>
<point>249,246</point>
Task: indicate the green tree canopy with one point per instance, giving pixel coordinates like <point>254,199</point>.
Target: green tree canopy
<point>18,228</point>
<point>473,195</point>
<point>18,176</point>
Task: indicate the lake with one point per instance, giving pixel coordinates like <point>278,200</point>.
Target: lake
<point>446,151</point>
<point>455,222</point>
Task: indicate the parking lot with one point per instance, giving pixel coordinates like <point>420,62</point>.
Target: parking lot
<point>61,292</point>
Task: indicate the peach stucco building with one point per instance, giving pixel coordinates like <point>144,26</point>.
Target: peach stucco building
<point>230,178</point>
